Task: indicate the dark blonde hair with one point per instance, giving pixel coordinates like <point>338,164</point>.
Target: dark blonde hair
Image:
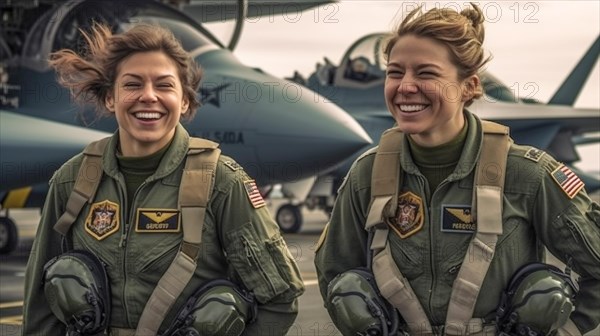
<point>462,34</point>
<point>91,75</point>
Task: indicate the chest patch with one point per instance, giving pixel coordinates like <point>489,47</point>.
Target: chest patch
<point>409,215</point>
<point>157,220</point>
<point>457,218</point>
<point>102,220</point>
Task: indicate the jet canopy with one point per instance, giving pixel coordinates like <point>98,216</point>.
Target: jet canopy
<point>59,27</point>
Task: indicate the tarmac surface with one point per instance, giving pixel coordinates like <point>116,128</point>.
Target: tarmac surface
<point>312,320</point>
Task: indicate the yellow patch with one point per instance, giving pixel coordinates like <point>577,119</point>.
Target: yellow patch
<point>409,215</point>
<point>103,219</point>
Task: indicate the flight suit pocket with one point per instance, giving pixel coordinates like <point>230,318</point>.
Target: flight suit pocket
<point>249,257</point>
<point>287,267</point>
<point>160,263</point>
<point>408,257</point>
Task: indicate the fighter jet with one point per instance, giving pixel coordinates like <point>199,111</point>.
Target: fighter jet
<point>356,85</point>
<point>278,131</point>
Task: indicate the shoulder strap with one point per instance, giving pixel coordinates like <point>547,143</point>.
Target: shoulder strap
<point>194,193</point>
<point>488,194</point>
<point>86,184</point>
<point>385,180</point>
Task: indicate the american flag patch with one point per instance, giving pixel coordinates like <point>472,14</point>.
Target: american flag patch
<point>254,194</point>
<point>567,180</point>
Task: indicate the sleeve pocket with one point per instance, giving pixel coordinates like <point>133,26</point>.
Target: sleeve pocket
<point>253,263</point>
<point>287,268</point>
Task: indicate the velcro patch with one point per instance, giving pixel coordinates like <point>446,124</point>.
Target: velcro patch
<point>534,154</point>
<point>567,180</point>
<point>409,215</point>
<point>457,218</point>
<point>254,194</point>
<point>157,220</point>
<point>232,165</point>
<point>103,219</point>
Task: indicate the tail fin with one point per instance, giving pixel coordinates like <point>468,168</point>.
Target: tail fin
<point>571,87</point>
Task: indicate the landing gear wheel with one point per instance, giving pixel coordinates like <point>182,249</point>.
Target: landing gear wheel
<point>289,218</point>
<point>8,235</point>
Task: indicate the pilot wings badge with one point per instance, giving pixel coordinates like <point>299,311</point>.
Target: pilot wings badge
<point>102,220</point>
<point>409,215</point>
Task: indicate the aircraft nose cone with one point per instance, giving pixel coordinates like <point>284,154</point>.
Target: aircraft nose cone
<point>312,135</point>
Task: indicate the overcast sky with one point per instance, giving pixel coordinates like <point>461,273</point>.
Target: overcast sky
<point>531,41</point>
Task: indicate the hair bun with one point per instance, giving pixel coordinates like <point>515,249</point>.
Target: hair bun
<point>475,15</point>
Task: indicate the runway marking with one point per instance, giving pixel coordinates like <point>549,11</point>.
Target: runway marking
<point>311,282</point>
<point>7,305</point>
<point>12,320</point>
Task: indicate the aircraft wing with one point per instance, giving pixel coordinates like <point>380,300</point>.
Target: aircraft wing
<point>33,148</point>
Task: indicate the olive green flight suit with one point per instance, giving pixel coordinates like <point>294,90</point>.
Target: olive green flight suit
<point>536,211</point>
<point>239,242</point>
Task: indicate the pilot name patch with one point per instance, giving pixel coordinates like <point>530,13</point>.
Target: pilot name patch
<point>457,218</point>
<point>102,220</point>
<point>157,220</point>
<point>534,154</point>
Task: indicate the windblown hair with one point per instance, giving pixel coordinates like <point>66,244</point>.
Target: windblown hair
<point>462,33</point>
<point>91,76</point>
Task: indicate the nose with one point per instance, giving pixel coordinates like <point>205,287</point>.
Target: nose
<point>148,94</point>
<point>408,86</point>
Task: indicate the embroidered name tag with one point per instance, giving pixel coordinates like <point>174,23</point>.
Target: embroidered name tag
<point>457,218</point>
<point>157,220</point>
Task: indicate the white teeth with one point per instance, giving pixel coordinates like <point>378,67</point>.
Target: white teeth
<point>412,108</point>
<point>148,115</point>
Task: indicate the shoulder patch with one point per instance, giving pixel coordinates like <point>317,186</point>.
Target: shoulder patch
<point>232,165</point>
<point>570,183</point>
<point>254,194</point>
<point>534,154</point>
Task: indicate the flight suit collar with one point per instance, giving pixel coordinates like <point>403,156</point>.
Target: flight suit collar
<point>171,160</point>
<point>468,158</point>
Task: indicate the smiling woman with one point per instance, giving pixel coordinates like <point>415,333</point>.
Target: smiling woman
<point>125,221</point>
<point>450,228</point>
<point>147,101</point>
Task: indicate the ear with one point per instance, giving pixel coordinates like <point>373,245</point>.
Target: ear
<point>109,102</point>
<point>471,88</point>
<point>185,104</point>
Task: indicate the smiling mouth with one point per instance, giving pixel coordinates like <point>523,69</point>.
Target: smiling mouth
<point>412,107</point>
<point>148,115</point>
